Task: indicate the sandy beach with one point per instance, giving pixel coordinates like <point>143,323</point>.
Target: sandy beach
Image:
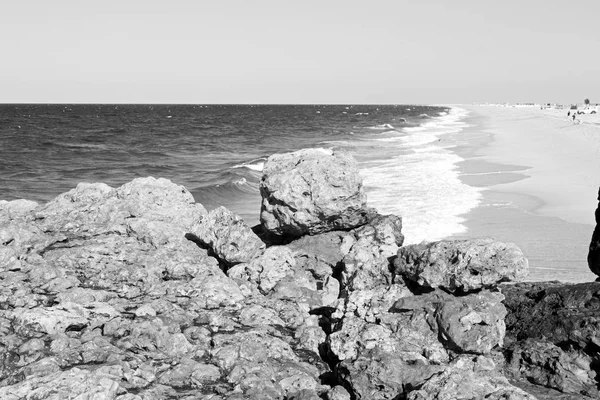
<point>539,175</point>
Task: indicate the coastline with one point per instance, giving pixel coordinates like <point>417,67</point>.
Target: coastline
<point>522,161</point>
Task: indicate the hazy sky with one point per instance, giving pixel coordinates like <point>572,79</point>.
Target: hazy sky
<point>262,51</point>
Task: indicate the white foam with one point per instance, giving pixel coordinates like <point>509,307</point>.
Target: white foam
<point>255,165</point>
<point>382,126</point>
<point>420,182</point>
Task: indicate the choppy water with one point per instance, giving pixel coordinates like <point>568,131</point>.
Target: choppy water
<point>217,152</point>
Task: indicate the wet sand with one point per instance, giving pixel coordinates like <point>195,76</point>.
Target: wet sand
<point>539,174</point>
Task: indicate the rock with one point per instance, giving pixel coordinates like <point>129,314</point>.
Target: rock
<point>364,265</point>
<point>594,253</point>
<point>381,375</point>
<point>384,231</point>
<point>546,364</point>
<point>469,378</point>
<point>388,355</point>
<point>101,383</point>
<point>370,304</point>
<point>92,209</point>
<point>320,254</point>
<point>552,329</point>
<point>266,271</point>
<point>563,313</point>
<point>338,393</point>
<point>228,236</point>
<point>255,361</point>
<point>472,323</point>
<point>461,265</point>
<point>311,191</point>
<point>16,208</point>
<point>189,373</point>
<point>210,290</point>
<point>115,293</point>
<point>51,320</point>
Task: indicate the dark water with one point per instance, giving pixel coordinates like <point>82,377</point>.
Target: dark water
<point>216,151</point>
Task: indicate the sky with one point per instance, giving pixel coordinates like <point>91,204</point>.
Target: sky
<point>280,51</point>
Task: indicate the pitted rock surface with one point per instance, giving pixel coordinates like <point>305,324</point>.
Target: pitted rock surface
<point>462,265</point>
<point>311,191</point>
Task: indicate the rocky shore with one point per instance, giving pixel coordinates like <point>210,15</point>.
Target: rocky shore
<point>138,292</point>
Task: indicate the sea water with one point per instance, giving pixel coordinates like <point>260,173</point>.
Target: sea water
<point>218,152</point>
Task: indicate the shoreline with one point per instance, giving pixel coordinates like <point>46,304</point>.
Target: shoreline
<point>517,202</point>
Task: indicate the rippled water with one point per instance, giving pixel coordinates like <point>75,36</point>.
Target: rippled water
<point>217,152</point>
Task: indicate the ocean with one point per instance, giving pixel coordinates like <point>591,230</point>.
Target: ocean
<point>217,152</point>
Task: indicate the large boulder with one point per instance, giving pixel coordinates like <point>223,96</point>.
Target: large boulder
<point>594,254</point>
<point>311,191</point>
<point>461,265</point>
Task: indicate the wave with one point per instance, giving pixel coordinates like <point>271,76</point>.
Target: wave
<point>255,165</point>
<point>381,127</point>
<point>81,146</point>
<point>416,177</point>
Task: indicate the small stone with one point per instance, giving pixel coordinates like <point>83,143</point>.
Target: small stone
<point>145,311</point>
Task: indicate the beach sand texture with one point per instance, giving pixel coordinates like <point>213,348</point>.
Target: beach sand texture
<point>540,174</point>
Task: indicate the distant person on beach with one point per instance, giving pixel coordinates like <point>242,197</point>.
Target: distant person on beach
<point>574,116</point>
<point>569,114</point>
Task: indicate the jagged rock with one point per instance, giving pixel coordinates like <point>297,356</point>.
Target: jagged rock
<point>16,208</point>
<point>388,355</point>
<point>50,320</point>
<point>461,265</point>
<point>277,274</point>
<point>594,253</point>
<point>92,209</point>
<point>546,364</point>
<point>189,373</point>
<point>256,361</point>
<point>338,393</point>
<point>364,265</point>
<point>385,232</point>
<point>106,278</point>
<point>111,293</point>
<point>228,236</point>
<point>469,378</point>
<point>562,313</point>
<point>266,271</point>
<point>553,332</point>
<point>320,254</point>
<point>311,191</point>
<point>100,383</point>
<point>473,323</point>
<point>370,304</point>
<point>382,375</point>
